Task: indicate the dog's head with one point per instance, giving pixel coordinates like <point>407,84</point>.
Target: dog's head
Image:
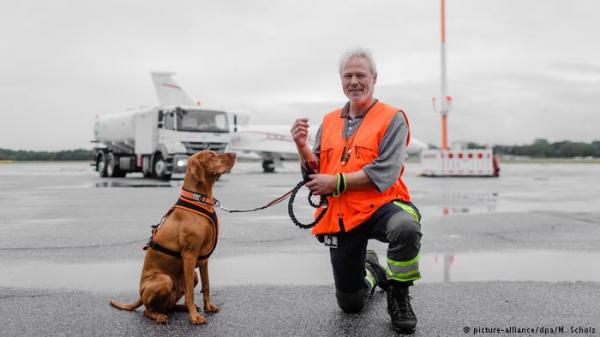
<point>206,166</point>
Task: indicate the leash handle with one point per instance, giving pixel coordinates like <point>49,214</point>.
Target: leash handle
<point>322,202</point>
<point>308,168</point>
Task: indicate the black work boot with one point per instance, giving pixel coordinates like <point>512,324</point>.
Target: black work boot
<point>402,315</point>
<point>372,264</point>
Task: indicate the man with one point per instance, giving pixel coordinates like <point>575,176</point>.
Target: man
<point>359,154</point>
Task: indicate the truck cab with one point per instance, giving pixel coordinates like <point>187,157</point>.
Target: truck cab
<point>183,131</point>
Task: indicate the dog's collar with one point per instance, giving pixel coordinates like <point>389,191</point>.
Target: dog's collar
<point>202,198</point>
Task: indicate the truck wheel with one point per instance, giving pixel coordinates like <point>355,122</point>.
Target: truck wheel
<point>101,164</point>
<point>268,166</point>
<point>112,168</point>
<point>160,168</point>
<point>147,167</point>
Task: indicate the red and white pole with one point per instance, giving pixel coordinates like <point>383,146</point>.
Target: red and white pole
<point>445,100</point>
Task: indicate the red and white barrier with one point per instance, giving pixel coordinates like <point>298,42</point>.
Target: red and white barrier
<point>443,163</point>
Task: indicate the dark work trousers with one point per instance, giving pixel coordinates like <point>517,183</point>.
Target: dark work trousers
<point>390,224</point>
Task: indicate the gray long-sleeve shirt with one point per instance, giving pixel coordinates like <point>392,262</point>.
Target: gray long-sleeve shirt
<point>385,169</point>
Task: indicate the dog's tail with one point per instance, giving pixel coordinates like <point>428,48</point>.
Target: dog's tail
<point>125,306</point>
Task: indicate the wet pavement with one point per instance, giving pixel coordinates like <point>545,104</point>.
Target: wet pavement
<point>521,250</point>
<point>504,265</point>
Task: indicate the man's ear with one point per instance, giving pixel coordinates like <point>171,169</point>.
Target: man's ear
<point>375,78</point>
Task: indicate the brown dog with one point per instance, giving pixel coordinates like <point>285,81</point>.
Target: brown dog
<point>188,231</point>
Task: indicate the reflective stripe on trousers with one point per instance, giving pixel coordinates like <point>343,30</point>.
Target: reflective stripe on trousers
<point>404,271</point>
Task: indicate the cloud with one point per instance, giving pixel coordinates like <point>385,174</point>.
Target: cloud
<point>505,108</point>
<point>64,62</point>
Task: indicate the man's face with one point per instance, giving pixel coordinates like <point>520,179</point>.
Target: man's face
<point>357,80</point>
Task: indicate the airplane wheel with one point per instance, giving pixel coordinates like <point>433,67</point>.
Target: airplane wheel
<point>268,166</point>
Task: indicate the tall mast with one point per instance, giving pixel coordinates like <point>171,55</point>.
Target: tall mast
<point>445,100</point>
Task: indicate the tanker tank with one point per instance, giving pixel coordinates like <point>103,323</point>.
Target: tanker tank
<point>118,128</point>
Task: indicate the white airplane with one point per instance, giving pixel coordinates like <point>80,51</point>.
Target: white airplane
<point>274,143</point>
<point>269,143</point>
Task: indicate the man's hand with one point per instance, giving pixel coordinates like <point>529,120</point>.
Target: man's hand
<point>300,132</point>
<point>300,135</point>
<point>321,184</point>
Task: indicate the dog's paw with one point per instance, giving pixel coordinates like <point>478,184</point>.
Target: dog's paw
<point>157,317</point>
<point>197,319</point>
<point>210,307</point>
<point>162,319</point>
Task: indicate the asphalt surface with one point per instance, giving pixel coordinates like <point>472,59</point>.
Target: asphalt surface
<point>497,253</point>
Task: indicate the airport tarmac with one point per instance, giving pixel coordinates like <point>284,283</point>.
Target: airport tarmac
<point>520,251</point>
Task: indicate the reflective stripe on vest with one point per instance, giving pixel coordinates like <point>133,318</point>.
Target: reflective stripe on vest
<point>354,207</point>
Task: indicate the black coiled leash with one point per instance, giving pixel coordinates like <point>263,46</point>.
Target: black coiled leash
<point>322,202</point>
<point>292,195</point>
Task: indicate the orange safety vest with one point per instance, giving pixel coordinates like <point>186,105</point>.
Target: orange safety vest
<point>354,207</point>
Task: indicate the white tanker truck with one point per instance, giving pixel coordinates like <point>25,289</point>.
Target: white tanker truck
<point>158,140</point>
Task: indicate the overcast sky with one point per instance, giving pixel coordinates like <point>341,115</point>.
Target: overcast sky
<point>517,69</point>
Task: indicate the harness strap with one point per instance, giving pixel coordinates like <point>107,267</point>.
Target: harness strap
<point>196,208</point>
<point>191,206</point>
<point>210,215</point>
<point>154,245</point>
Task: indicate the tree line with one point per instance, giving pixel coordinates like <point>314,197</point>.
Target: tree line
<point>542,148</point>
<point>77,154</point>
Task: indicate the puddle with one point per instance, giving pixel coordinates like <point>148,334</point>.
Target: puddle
<point>518,265</point>
<point>455,203</point>
<point>520,188</point>
<point>313,269</point>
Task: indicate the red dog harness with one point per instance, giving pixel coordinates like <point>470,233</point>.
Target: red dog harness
<point>192,202</point>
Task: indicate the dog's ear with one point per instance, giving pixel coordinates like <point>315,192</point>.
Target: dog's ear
<point>198,171</point>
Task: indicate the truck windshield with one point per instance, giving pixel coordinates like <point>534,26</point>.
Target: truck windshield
<point>202,121</point>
